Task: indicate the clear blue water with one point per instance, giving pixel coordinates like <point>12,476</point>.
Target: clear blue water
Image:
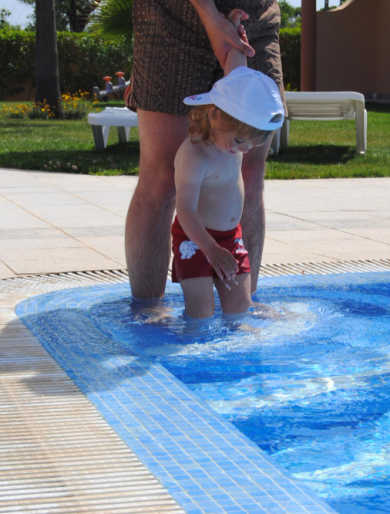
<point>307,379</point>
<point>305,374</point>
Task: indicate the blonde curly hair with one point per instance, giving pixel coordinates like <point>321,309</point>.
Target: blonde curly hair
<point>199,124</point>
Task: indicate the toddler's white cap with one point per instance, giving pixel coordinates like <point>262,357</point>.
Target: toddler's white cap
<point>248,95</point>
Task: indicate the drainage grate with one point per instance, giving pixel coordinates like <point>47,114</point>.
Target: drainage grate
<point>325,268</point>
<point>268,270</point>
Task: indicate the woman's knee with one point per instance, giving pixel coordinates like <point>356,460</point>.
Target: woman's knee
<point>253,174</point>
<point>156,183</point>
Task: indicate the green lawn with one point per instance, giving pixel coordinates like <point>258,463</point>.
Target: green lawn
<point>323,149</point>
<point>316,149</point>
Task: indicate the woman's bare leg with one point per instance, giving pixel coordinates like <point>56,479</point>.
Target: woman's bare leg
<point>253,216</point>
<point>148,223</point>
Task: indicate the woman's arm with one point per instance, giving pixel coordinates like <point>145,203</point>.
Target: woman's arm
<point>222,34</point>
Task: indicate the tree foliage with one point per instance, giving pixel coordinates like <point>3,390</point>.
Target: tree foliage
<point>113,18</point>
<point>290,16</point>
<point>72,15</point>
<point>4,14</point>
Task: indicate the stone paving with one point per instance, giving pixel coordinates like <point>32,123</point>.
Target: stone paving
<point>53,222</point>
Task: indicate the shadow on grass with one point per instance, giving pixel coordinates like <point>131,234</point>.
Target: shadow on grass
<point>117,159</point>
<point>317,154</point>
<point>376,107</point>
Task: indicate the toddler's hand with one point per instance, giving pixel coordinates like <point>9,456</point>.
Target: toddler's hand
<point>224,36</point>
<point>224,264</point>
<point>236,16</point>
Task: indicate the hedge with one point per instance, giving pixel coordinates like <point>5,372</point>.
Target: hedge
<point>290,49</point>
<point>84,58</point>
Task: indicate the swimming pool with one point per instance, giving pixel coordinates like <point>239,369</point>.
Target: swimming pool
<point>307,380</point>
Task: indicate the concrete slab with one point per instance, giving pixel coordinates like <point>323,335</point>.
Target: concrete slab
<point>51,260</point>
<point>108,245</point>
<point>5,271</point>
<point>381,234</point>
<point>279,252</point>
<point>13,217</point>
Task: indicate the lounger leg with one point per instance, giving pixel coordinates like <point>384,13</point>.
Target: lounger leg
<point>361,131</point>
<point>284,133</point>
<point>275,145</point>
<point>106,131</point>
<point>123,133</point>
<point>97,131</point>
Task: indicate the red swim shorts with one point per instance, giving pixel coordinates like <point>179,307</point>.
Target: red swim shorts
<point>190,262</point>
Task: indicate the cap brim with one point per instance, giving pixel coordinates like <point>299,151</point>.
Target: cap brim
<point>202,99</point>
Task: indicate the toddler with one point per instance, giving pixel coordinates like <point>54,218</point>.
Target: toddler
<point>240,111</point>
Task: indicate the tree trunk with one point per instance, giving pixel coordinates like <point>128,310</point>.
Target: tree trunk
<point>46,69</point>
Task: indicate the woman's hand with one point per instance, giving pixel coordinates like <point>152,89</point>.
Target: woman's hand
<point>222,32</point>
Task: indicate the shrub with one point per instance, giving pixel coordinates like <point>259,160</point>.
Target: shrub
<point>16,60</point>
<point>75,107</point>
<point>17,111</point>
<point>290,48</point>
<point>83,60</point>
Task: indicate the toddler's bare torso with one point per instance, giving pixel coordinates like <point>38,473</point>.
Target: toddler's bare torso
<point>221,197</point>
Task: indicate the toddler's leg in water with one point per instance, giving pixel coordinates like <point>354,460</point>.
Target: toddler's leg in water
<point>238,298</point>
<point>198,296</point>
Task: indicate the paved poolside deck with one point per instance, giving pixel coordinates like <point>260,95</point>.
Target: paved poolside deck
<point>53,223</point>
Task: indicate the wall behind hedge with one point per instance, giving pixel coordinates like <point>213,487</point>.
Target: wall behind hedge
<point>84,58</point>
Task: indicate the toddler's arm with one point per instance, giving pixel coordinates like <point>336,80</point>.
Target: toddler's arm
<point>234,57</point>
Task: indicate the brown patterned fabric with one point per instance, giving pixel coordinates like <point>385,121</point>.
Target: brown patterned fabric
<point>172,56</point>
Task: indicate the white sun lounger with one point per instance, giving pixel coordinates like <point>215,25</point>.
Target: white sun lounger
<point>101,122</point>
<point>319,105</point>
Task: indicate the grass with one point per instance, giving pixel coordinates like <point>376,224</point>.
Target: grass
<point>316,149</point>
<point>325,149</point>
<point>64,145</point>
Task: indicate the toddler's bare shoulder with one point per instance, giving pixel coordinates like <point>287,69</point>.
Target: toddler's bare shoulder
<point>191,154</point>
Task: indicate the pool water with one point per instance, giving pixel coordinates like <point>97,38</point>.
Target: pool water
<point>305,374</point>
